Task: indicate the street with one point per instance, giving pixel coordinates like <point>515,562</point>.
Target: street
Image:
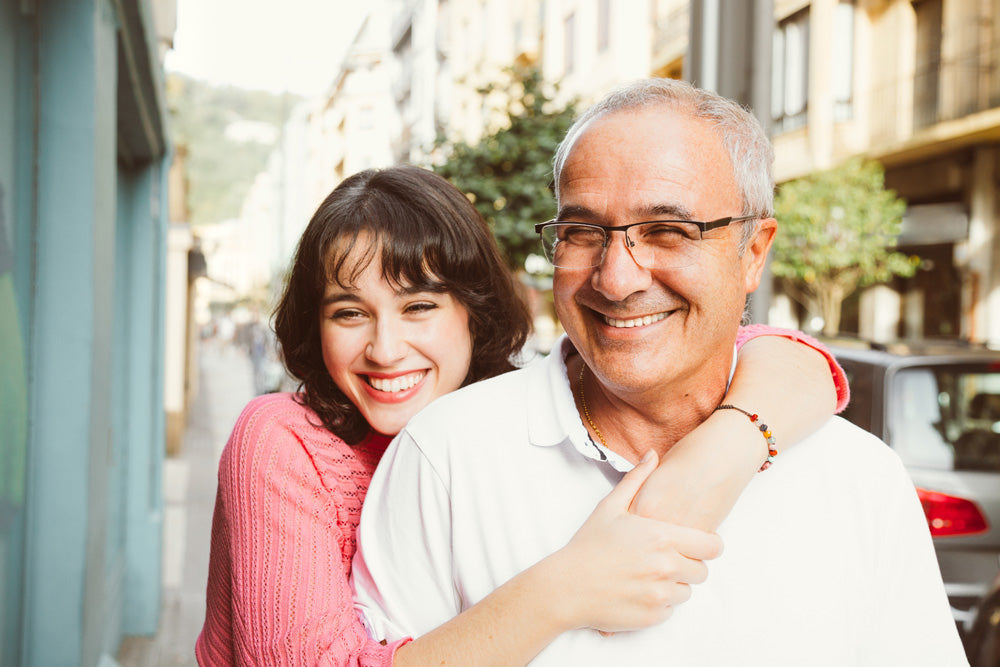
<point>225,385</point>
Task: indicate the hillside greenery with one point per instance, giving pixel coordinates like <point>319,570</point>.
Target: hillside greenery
<point>222,164</point>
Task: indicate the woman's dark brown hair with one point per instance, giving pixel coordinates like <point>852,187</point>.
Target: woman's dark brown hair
<point>425,234</point>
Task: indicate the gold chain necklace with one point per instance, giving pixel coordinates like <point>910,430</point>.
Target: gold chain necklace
<point>586,412</point>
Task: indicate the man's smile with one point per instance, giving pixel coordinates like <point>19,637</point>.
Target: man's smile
<point>636,321</point>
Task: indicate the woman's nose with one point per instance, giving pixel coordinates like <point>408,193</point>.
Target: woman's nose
<point>387,345</point>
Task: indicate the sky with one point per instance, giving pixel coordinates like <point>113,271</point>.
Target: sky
<point>274,45</point>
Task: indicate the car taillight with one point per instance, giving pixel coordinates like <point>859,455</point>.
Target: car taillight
<point>950,515</point>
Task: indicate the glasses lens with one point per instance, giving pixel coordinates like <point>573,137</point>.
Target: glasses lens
<point>664,245</point>
<point>573,246</point>
<point>653,245</point>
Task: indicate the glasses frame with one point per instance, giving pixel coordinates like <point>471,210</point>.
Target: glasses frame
<point>629,243</point>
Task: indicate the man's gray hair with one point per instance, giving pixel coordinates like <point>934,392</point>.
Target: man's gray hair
<point>742,135</point>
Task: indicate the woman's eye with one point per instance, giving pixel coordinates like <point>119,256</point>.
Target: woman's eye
<point>346,314</point>
<point>421,307</point>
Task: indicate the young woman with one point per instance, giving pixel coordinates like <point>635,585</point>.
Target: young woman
<point>397,296</point>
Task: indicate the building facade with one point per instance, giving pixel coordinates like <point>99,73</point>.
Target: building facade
<point>83,155</point>
<point>916,86</point>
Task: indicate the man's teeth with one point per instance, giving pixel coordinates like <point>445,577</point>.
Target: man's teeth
<point>394,385</point>
<point>637,322</point>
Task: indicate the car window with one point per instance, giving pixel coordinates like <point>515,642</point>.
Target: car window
<point>946,417</point>
<point>860,378</point>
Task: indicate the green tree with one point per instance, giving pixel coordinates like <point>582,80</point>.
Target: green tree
<point>508,174</point>
<point>837,230</point>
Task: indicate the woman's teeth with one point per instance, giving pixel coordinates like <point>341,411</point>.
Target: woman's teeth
<point>393,385</point>
<point>637,322</point>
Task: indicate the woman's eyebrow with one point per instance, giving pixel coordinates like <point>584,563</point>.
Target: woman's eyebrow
<point>340,296</point>
<point>422,288</point>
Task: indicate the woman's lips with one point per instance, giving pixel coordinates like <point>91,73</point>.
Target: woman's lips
<point>396,384</point>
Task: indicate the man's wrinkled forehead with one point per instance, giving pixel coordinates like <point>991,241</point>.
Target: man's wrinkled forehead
<point>644,164</point>
<point>665,108</point>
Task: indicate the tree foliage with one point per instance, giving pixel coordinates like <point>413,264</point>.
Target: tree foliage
<point>837,232</point>
<point>508,174</point>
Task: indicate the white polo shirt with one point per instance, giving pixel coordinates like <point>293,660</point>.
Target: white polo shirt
<point>827,561</point>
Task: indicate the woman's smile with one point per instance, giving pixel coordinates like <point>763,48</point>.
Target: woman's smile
<point>392,349</point>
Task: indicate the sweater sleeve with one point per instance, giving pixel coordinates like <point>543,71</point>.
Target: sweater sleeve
<point>839,378</point>
<point>278,591</point>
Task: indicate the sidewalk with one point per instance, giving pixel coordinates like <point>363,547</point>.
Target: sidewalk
<point>189,481</point>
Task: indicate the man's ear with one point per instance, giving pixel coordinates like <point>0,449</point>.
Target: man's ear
<point>755,256</point>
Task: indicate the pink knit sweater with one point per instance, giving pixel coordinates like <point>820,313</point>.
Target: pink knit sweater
<point>283,535</point>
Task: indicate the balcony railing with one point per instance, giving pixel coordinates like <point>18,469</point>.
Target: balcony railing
<point>940,90</point>
<point>947,90</point>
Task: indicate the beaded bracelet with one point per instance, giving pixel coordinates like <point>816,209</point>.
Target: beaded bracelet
<point>772,451</point>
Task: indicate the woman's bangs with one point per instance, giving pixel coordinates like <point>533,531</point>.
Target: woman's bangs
<point>346,258</point>
<point>417,256</point>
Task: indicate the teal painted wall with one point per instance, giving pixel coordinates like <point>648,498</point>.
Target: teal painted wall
<point>82,247</point>
<point>13,371</point>
<point>141,300</point>
<point>73,195</point>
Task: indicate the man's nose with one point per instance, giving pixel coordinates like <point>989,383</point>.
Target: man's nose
<point>619,275</point>
<point>387,344</point>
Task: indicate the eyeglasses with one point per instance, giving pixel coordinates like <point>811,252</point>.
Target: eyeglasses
<point>657,244</point>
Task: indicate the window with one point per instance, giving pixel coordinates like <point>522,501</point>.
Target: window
<point>927,69</point>
<point>366,118</point>
<point>603,27</point>
<point>568,43</point>
<point>843,60</point>
<point>946,417</point>
<point>790,83</point>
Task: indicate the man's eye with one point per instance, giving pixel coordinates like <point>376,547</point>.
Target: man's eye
<point>669,233</point>
<point>581,235</point>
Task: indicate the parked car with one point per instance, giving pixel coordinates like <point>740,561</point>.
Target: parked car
<point>938,406</point>
<point>983,642</point>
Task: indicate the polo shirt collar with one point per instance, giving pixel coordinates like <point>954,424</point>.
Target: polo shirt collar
<point>552,415</point>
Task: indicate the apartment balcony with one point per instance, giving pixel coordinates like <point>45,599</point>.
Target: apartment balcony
<point>670,37</point>
<point>946,104</point>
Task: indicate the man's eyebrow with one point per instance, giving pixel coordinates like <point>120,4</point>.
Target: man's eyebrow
<point>577,212</point>
<point>649,212</point>
<point>665,212</point>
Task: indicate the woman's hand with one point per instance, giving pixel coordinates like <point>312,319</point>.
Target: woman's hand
<point>619,572</point>
<point>622,571</point>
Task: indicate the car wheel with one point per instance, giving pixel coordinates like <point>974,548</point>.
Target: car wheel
<point>983,646</point>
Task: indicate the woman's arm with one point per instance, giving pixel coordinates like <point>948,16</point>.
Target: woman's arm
<point>798,383</point>
<point>793,386</point>
<point>278,591</point>
<point>619,572</point>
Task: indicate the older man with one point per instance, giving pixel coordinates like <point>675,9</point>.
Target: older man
<point>664,222</point>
